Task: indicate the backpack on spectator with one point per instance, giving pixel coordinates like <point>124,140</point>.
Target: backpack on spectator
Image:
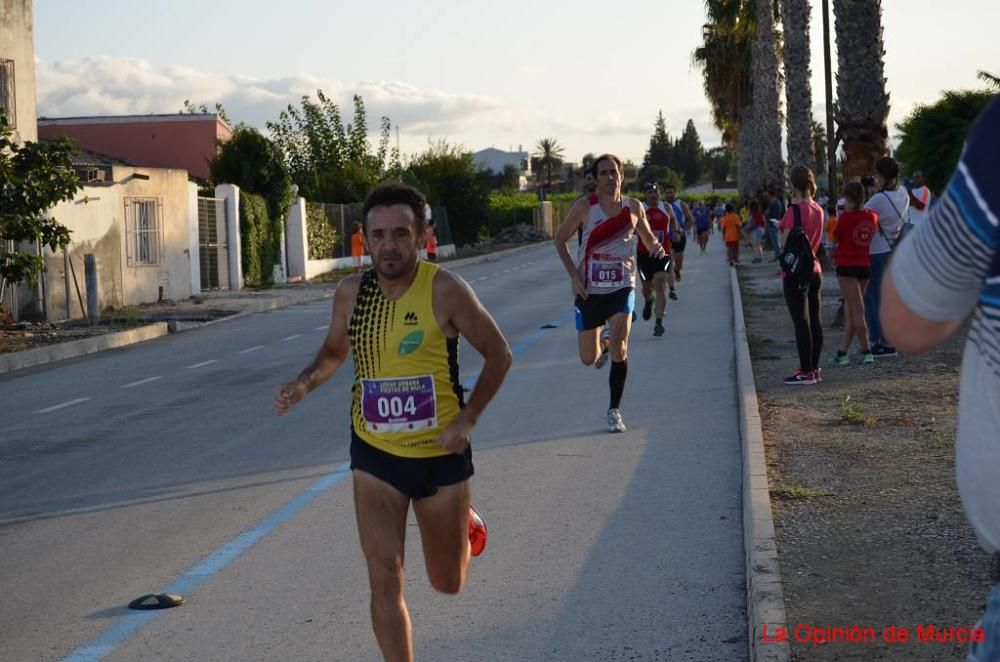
<point>797,258</point>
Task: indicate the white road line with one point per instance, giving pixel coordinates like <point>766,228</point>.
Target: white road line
<point>251,349</point>
<point>203,364</point>
<point>479,279</point>
<point>322,328</point>
<point>495,275</point>
<point>141,382</point>
<point>65,404</point>
<point>297,335</point>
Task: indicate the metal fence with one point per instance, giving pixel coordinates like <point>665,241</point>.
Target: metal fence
<point>343,217</point>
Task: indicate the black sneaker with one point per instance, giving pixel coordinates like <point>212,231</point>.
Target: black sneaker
<point>883,350</point>
<point>647,310</point>
<point>673,295</point>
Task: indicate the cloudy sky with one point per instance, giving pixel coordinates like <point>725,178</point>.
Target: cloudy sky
<point>591,74</point>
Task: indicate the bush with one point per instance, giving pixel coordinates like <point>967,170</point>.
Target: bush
<point>260,240</point>
<point>508,209</point>
<point>322,237</point>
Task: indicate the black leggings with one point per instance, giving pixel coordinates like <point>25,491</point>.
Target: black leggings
<point>803,306</point>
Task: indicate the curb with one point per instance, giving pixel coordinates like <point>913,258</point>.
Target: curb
<point>52,353</point>
<point>30,358</point>
<point>765,602</point>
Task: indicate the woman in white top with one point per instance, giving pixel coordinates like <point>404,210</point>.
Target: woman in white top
<point>890,203</point>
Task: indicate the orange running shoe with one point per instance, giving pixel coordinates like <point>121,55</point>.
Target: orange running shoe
<point>477,532</point>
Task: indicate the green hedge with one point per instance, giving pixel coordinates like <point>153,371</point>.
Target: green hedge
<point>260,240</point>
<point>507,209</point>
<point>322,237</point>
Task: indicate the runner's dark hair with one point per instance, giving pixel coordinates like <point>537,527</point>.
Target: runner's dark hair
<point>388,194</point>
<point>607,157</point>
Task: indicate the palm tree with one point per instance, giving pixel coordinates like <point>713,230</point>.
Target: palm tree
<point>990,79</point>
<point>798,90</point>
<point>819,147</point>
<point>763,139</point>
<point>862,100</point>
<point>726,63</point>
<point>550,154</point>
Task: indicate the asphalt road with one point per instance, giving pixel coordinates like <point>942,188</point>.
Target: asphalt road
<point>161,467</point>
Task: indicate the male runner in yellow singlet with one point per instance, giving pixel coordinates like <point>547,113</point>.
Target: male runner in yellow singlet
<point>410,429</point>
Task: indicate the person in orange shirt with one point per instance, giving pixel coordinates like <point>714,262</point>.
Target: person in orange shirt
<point>731,234</point>
<point>357,247</point>
<point>432,243</point>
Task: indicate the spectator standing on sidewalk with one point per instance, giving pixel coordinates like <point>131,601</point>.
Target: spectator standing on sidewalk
<point>949,268</point>
<point>852,236</point>
<point>920,199</point>
<point>890,203</point>
<point>803,302</point>
<point>357,247</point>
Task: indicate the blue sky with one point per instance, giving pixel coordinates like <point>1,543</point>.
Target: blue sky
<point>590,74</point>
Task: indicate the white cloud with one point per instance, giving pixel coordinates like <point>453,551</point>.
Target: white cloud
<point>105,85</point>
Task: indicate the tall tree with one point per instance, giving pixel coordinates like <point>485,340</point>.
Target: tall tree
<point>33,178</point>
<point>719,162</point>
<point>798,89</point>
<point>724,57</point>
<point>690,155</point>
<point>660,152</point>
<point>862,100</point>
<point>819,147</point>
<point>762,140</point>
<point>932,136</point>
<point>550,155</point>
<point>990,79</point>
<point>328,161</point>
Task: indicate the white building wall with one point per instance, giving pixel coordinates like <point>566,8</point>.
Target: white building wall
<point>17,42</point>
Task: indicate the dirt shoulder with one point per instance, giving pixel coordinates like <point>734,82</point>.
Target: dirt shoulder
<point>869,525</point>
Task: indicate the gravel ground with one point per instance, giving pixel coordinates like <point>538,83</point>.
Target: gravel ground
<point>869,523</point>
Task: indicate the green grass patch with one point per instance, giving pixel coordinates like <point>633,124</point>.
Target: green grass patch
<point>854,414</point>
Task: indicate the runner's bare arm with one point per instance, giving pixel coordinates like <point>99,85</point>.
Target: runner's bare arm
<point>467,317</point>
<point>906,330</point>
<point>332,353</point>
<point>654,247</point>
<point>576,217</point>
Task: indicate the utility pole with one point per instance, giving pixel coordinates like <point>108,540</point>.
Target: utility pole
<point>831,139</point>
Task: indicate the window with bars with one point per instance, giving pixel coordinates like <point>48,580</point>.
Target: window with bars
<point>7,99</point>
<point>143,230</point>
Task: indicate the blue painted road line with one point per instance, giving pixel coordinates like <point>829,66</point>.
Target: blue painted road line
<point>125,626</point>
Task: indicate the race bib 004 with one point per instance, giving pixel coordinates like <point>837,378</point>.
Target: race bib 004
<point>402,404</point>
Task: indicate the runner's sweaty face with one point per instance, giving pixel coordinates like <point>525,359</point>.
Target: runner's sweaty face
<point>652,197</point>
<point>608,178</point>
<point>671,193</point>
<point>392,240</point>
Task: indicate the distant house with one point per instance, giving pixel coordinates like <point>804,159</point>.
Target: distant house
<point>181,141</point>
<point>497,160</point>
<point>138,224</point>
<point>17,68</point>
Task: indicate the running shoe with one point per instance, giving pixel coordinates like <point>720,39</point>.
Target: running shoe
<point>867,358</point>
<point>477,532</point>
<point>658,329</point>
<point>615,422</point>
<point>647,309</point>
<point>605,354</point>
<point>673,295</point>
<point>801,378</point>
<point>818,375</point>
<point>878,349</point>
<point>839,359</point>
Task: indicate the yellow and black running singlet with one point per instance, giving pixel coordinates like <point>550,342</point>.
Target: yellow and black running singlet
<point>406,387</point>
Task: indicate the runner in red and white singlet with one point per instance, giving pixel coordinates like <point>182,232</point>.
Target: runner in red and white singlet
<point>656,275</point>
<point>603,276</point>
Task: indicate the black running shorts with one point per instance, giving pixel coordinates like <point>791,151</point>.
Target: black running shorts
<point>650,266</point>
<point>597,309</point>
<point>414,477</point>
<point>861,273</point>
<point>679,245</point>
